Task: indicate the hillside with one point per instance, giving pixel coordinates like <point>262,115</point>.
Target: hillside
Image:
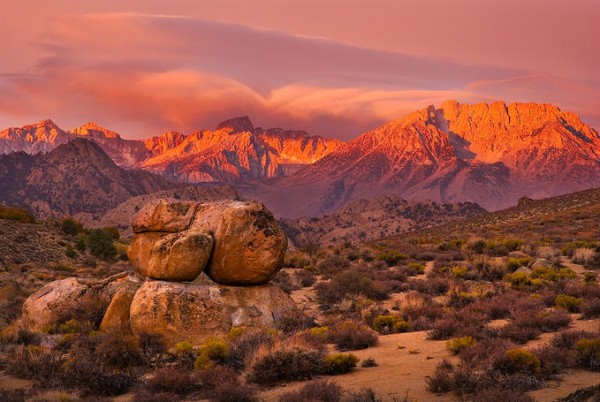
<point>74,177</point>
<point>383,216</point>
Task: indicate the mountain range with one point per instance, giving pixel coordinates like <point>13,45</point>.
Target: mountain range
<point>489,154</point>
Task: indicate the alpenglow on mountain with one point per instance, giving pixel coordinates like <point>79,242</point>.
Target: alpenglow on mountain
<point>236,152</point>
<point>491,154</point>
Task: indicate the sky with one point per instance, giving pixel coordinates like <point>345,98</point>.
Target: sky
<point>335,68</point>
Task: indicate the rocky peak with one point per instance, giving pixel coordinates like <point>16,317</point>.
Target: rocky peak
<point>94,130</point>
<point>237,125</point>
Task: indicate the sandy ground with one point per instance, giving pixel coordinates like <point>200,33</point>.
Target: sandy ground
<point>403,362</point>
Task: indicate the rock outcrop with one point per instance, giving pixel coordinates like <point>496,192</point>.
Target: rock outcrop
<point>174,241</point>
<point>64,299</point>
<point>235,243</point>
<point>191,312</point>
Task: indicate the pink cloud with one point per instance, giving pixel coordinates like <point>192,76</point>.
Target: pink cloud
<point>141,75</point>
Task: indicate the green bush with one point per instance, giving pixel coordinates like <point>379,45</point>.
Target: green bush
<point>213,350</point>
<point>388,324</point>
<point>459,271</point>
<point>569,303</point>
<point>101,244</point>
<point>456,345</point>
<point>70,252</point>
<point>71,226</point>
<point>553,275</point>
<point>512,264</point>
<point>522,360</point>
<point>340,363</point>
<point>518,279</point>
<point>392,257</point>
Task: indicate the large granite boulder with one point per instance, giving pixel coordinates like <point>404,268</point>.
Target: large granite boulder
<point>194,312</point>
<point>249,243</point>
<point>173,257</point>
<point>72,298</point>
<point>241,241</point>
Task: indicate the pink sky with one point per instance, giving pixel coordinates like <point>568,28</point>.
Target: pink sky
<point>334,68</point>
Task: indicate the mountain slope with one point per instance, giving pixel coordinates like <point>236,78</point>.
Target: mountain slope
<point>377,218</point>
<point>489,154</point>
<point>74,177</point>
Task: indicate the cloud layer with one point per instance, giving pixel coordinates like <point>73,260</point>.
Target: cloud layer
<point>142,74</point>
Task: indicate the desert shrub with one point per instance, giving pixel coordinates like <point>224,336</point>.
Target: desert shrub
<point>567,339</point>
<point>32,362</point>
<point>388,324</point>
<point>321,390</point>
<point>212,351</point>
<point>484,352</point>
<point>351,335</point>
<point>422,316</point>
<point>245,343</point>
<point>69,252</point>
<point>283,281</point>
<point>289,361</point>
<point>351,282</point>
<point>459,271</point>
<point>112,231</point>
<point>477,246</point>
<point>172,379</point>
<point>332,265</point>
<point>569,303</point>
<point>432,286</point>
<point>416,268</point>
<point>456,345</point>
<point>305,277</point>
<point>18,335</point>
<point>16,214</point>
<point>368,362</point>
<point>152,344</point>
<point>591,308</point>
<point>71,226</point>
<point>512,263</point>
<point>392,257</point>
<point>551,274</point>
<point>442,379</point>
<point>518,280</point>
<point>340,363</point>
<point>588,353</point>
<point>117,350</point>
<point>500,394</point>
<point>526,325</point>
<point>294,320</point>
<point>518,360</point>
<point>225,385</point>
<point>554,360</point>
<point>88,312</point>
<point>589,277</point>
<point>101,244</point>
<point>593,262</point>
<point>80,244</point>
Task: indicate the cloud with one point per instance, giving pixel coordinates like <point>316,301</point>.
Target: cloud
<point>143,74</point>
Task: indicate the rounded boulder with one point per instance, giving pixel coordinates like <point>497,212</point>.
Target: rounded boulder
<point>249,245</point>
